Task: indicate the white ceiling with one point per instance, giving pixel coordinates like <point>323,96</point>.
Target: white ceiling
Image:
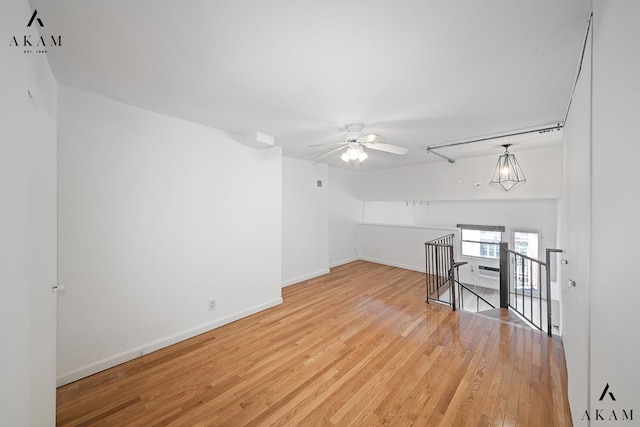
<point>417,72</point>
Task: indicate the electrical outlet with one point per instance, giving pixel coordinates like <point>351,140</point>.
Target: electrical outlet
<point>212,304</point>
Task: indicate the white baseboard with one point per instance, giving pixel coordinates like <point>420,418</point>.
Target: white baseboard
<point>393,264</point>
<point>305,277</point>
<point>344,261</point>
<point>131,354</point>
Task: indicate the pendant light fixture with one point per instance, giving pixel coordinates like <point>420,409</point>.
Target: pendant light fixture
<point>507,173</point>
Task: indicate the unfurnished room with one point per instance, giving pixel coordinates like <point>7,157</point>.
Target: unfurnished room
<point>328,213</point>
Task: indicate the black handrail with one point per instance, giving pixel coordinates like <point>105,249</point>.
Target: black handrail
<point>478,297</point>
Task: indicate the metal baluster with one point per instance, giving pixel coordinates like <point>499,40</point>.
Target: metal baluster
<point>516,281</point>
<point>437,271</point>
<point>444,260</point>
<point>515,278</point>
<point>453,278</point>
<point>433,267</point>
<point>430,269</point>
<point>519,281</point>
<point>530,279</point>
<point>432,279</point>
<point>511,276</point>
<point>540,291</point>
<point>522,284</point>
<point>445,253</point>
<point>443,263</point>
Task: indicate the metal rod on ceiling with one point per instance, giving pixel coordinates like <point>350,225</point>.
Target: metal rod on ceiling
<point>450,160</point>
<point>487,138</point>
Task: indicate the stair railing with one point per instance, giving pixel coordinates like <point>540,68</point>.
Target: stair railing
<point>442,272</point>
<point>524,288</point>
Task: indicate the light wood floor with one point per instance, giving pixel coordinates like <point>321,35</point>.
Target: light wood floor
<point>356,347</point>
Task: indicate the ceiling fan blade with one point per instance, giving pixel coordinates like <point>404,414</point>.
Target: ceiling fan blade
<point>326,144</point>
<point>389,148</point>
<point>372,138</point>
<point>328,153</point>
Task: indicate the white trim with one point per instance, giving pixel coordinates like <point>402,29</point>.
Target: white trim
<point>131,354</point>
<point>344,261</point>
<point>393,264</point>
<point>305,277</point>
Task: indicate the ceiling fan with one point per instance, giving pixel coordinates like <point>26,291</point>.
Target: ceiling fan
<point>355,142</point>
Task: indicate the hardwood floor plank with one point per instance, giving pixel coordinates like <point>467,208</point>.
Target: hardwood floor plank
<point>355,347</point>
<point>489,362</point>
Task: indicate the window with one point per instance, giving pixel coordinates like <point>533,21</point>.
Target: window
<point>526,243</point>
<point>481,240</point>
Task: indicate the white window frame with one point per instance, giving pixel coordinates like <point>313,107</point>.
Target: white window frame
<point>512,241</point>
<point>493,228</point>
<point>538,255</point>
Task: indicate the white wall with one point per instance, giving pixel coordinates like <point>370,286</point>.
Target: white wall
<point>615,291</point>
<point>442,195</point>
<point>27,229</point>
<point>515,215</point>
<point>600,211</point>
<point>527,215</point>
<point>445,181</point>
<point>575,241</point>
<point>156,217</point>
<point>305,225</point>
<point>398,246</point>
<point>345,213</point>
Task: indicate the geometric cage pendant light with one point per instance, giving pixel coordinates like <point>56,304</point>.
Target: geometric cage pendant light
<point>507,173</point>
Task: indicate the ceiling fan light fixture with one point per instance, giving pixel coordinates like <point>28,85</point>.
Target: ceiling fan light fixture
<point>507,173</point>
<point>355,143</point>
